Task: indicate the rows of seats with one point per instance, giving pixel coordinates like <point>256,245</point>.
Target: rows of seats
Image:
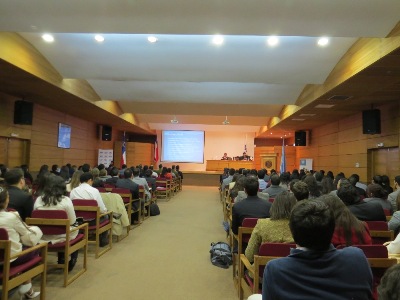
<point>93,224</point>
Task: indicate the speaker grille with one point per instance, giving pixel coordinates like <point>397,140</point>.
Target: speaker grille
<point>300,138</point>
<point>371,121</point>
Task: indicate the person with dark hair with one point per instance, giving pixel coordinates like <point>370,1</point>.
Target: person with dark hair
<point>364,211</point>
<point>141,182</point>
<point>377,179</point>
<point>327,185</point>
<point>330,174</point>
<point>114,176</point>
<point>85,168</point>
<point>386,184</point>
<point>64,173</point>
<point>21,201</point>
<point>285,181</point>
<point>348,229</point>
<point>313,188</point>
<point>241,194</point>
<point>353,179</point>
<point>151,181</point>
<point>127,183</point>
<point>377,194</point>
<point>121,171</point>
<point>389,287</point>
<point>315,269</point>
<point>262,184</point>
<point>179,172</point>
<point>53,198</point>
<point>318,177</point>
<point>393,196</point>
<point>300,190</point>
<point>275,187</point>
<point>274,229</point>
<point>55,170</point>
<point>28,177</point>
<point>163,173</point>
<point>97,182</point>
<point>227,180</point>
<point>251,207</point>
<point>12,222</point>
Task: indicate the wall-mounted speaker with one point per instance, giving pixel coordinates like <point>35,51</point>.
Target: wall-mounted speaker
<point>106,133</point>
<point>371,121</point>
<point>23,112</point>
<point>300,138</point>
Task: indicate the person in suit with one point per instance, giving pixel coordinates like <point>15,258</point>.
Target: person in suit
<point>127,183</point>
<point>151,181</point>
<point>393,196</point>
<point>275,187</point>
<point>21,201</point>
<point>251,207</point>
<point>316,269</point>
<point>225,157</point>
<point>114,176</point>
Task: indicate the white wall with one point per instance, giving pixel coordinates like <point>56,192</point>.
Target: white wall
<point>216,143</point>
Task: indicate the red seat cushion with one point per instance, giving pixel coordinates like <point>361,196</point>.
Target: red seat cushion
<point>24,267</point>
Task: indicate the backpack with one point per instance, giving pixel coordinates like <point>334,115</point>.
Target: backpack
<point>154,209</point>
<point>221,255</point>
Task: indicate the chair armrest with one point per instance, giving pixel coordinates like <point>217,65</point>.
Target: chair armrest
<point>246,263</point>
<point>84,226</point>
<point>30,249</point>
<point>109,213</point>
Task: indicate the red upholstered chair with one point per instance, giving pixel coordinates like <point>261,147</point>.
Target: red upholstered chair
<point>250,283</point>
<point>271,200</point>
<point>379,262</point>
<point>109,185</point>
<point>57,222</point>
<point>242,238</point>
<point>90,212</point>
<point>380,232</point>
<point>163,189</point>
<point>12,277</point>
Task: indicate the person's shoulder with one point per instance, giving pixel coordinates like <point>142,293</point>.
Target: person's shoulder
<point>351,252</point>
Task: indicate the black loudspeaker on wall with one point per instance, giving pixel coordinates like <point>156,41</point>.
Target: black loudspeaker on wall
<point>23,112</point>
<point>371,121</point>
<point>300,138</point>
<point>106,133</point>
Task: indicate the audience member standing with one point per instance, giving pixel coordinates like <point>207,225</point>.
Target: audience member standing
<point>19,200</point>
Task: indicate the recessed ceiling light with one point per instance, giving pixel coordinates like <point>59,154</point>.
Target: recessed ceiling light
<point>48,37</point>
<point>174,120</point>
<point>152,39</point>
<point>324,106</point>
<point>273,41</point>
<point>99,38</point>
<point>307,115</point>
<point>298,119</point>
<point>324,41</point>
<point>218,40</point>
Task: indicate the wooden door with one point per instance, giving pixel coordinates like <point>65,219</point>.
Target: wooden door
<point>14,152</point>
<point>383,161</point>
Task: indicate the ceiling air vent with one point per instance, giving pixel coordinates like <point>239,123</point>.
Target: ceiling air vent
<point>339,97</point>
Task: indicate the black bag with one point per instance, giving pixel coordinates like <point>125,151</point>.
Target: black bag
<point>154,209</point>
<point>221,255</point>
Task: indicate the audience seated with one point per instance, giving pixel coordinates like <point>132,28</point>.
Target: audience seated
<point>114,176</point>
<point>394,222</point>
<point>127,183</point>
<point>97,182</point>
<point>262,184</point>
<point>285,181</point>
<point>20,200</point>
<point>354,179</point>
<point>348,229</point>
<point>275,188</point>
<point>141,182</point>
<point>251,207</point>
<point>75,181</point>
<point>313,188</point>
<point>151,181</point>
<point>364,211</point>
<point>274,229</point>
<point>53,199</point>
<point>376,194</point>
<point>300,190</point>
<point>227,180</point>
<point>16,228</point>
<point>327,185</point>
<point>315,269</point>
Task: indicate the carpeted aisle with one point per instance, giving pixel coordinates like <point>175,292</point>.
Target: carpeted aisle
<point>164,258</point>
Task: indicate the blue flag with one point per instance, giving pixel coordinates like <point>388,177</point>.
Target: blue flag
<point>283,158</point>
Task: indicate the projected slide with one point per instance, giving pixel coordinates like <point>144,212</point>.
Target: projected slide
<point>183,146</point>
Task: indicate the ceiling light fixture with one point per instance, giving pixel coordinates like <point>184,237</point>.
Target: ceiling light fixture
<point>174,120</point>
<point>226,122</point>
<point>324,41</point>
<point>152,39</point>
<point>218,40</point>
<point>48,37</point>
<point>273,41</point>
<point>99,38</point>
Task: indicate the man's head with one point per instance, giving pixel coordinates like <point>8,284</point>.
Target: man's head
<point>348,194</point>
<point>261,174</point>
<point>300,190</point>
<point>86,177</point>
<point>251,186</point>
<point>231,172</point>
<point>397,182</point>
<point>136,172</point>
<point>15,177</point>
<point>114,172</point>
<point>148,173</point>
<point>312,224</point>
<point>318,176</point>
<point>160,166</point>
<point>128,173</point>
<point>275,180</point>
<point>173,167</point>
<point>86,168</point>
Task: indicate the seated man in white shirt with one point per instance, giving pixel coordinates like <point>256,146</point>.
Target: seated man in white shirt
<point>85,191</point>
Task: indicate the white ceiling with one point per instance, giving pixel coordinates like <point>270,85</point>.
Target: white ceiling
<point>184,74</point>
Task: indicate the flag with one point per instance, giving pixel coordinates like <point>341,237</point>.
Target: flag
<point>283,158</point>
<point>245,148</point>
<point>155,151</point>
<point>123,156</point>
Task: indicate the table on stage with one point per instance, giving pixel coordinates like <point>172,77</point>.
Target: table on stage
<point>219,165</point>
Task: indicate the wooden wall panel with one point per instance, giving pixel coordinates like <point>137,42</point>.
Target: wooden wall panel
<point>3,150</point>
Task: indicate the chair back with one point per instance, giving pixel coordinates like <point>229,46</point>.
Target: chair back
<point>101,189</point>
<point>274,250</point>
<point>380,232</point>
<point>50,214</point>
<point>387,212</point>
<point>377,225</point>
<point>109,185</point>
<point>125,194</point>
<point>249,222</point>
<point>3,237</point>
<point>86,215</point>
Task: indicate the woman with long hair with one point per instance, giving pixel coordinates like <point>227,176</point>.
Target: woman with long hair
<point>274,229</point>
<point>348,229</point>
<point>53,198</point>
<point>327,185</point>
<point>376,193</point>
<point>75,181</point>
<point>313,187</point>
<point>15,229</point>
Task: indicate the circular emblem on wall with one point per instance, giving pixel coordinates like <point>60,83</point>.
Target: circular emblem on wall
<point>268,164</point>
